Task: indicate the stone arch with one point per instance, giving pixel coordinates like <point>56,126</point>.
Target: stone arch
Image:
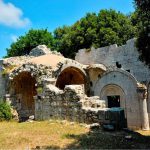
<point>78,69</point>
<point>23,84</point>
<point>22,91</point>
<point>111,90</point>
<point>125,84</point>
<point>72,63</point>
<point>124,73</point>
<point>70,76</point>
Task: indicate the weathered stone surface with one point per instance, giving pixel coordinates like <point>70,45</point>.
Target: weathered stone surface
<point>3,81</point>
<point>126,56</point>
<point>84,88</point>
<point>121,83</point>
<point>16,61</point>
<point>39,71</point>
<point>14,114</point>
<point>39,50</point>
<point>70,104</point>
<point>42,50</point>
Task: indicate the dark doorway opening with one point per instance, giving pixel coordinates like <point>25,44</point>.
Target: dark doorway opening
<point>113,101</point>
<point>23,90</point>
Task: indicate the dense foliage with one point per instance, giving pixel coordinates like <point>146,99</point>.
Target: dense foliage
<point>143,41</point>
<point>5,111</point>
<point>98,30</point>
<point>30,40</point>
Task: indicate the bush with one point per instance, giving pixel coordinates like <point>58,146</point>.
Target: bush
<point>5,111</point>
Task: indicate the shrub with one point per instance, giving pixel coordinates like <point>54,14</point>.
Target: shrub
<point>5,111</point>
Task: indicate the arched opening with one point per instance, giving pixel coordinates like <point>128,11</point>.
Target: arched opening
<point>22,92</point>
<point>113,93</point>
<point>70,76</point>
<point>121,83</point>
<point>114,96</point>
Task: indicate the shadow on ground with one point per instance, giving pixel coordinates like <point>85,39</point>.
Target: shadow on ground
<point>98,139</point>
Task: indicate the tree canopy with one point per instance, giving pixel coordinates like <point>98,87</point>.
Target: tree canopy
<point>98,30</point>
<point>143,41</point>
<point>102,29</point>
<point>30,40</point>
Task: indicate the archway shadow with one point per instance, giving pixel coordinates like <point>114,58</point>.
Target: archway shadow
<point>22,89</point>
<point>70,76</point>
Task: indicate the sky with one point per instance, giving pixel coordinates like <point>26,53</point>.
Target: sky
<point>18,16</point>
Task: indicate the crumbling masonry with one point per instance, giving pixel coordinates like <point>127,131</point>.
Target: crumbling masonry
<point>47,85</point>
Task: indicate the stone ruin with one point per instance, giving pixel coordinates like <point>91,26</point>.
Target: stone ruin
<point>42,50</point>
<point>49,86</point>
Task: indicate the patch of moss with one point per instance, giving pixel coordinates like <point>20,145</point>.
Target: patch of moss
<point>39,90</point>
<point>88,50</point>
<point>7,70</point>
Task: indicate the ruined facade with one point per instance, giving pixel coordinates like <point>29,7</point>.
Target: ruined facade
<point>126,78</point>
<point>47,85</point>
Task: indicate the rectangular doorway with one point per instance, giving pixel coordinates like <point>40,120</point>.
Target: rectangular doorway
<point>113,101</point>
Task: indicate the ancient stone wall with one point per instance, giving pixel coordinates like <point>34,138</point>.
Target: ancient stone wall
<point>40,72</point>
<point>2,81</point>
<point>70,104</point>
<point>24,83</point>
<point>125,57</point>
<point>95,72</point>
<point>6,66</point>
<point>55,103</point>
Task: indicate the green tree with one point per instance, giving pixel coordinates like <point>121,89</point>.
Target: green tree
<point>80,35</point>
<point>98,30</point>
<point>26,43</point>
<point>143,41</point>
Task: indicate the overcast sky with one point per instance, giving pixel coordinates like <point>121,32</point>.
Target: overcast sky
<point>18,16</point>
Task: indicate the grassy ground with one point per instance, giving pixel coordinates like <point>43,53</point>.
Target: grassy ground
<point>65,135</point>
<point>26,135</point>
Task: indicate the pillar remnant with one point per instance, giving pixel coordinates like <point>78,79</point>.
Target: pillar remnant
<point>142,93</point>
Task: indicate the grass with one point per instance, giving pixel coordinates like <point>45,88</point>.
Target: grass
<point>144,133</point>
<point>25,135</point>
<point>64,135</point>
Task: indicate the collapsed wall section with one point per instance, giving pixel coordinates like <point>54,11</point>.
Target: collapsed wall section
<point>55,103</point>
<point>70,104</point>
